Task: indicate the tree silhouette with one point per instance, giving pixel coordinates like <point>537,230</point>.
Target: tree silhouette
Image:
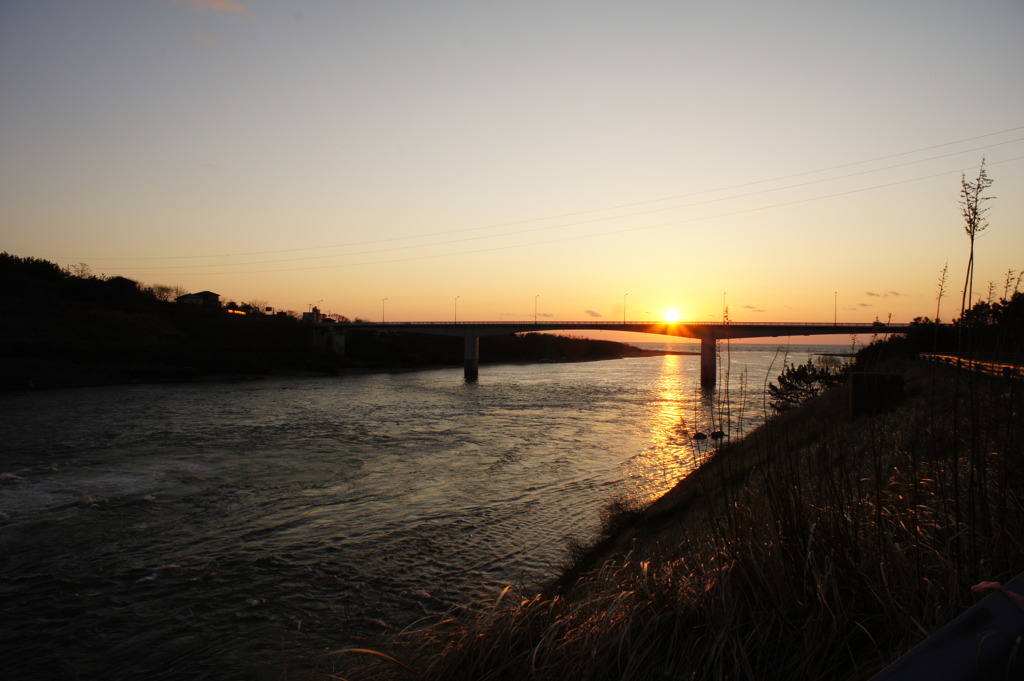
<point>800,382</point>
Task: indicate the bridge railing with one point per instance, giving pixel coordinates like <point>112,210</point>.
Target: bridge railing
<point>848,325</point>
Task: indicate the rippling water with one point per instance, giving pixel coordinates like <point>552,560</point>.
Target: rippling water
<point>238,530</point>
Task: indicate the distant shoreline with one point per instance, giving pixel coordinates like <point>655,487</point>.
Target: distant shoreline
<point>29,375</point>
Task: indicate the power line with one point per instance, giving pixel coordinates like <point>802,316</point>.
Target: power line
<point>585,212</point>
<point>603,234</point>
<point>593,220</point>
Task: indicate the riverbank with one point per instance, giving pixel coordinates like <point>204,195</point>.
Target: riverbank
<point>820,546</point>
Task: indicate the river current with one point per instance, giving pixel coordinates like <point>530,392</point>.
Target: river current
<point>229,530</point>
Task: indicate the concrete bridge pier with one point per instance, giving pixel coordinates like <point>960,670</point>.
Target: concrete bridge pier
<point>337,340</point>
<point>708,365</point>
<point>330,339</point>
<point>471,362</point>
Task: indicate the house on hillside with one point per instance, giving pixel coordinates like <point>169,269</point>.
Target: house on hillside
<point>203,298</point>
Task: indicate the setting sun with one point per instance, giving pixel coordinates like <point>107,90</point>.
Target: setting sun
<point>672,316</point>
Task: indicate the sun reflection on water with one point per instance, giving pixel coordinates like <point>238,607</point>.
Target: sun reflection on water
<point>678,425</point>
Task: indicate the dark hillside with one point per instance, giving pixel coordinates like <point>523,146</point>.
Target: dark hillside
<point>65,330</point>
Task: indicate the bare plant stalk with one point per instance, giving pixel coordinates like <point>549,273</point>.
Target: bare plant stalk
<point>1006,284</point>
<point>973,211</point>
<point>943,278</point>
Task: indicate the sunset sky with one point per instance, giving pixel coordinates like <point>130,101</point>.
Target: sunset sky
<point>798,160</point>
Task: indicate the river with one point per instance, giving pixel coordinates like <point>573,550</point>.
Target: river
<point>229,530</point>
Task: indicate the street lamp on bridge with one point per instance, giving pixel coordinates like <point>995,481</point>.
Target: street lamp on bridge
<point>383,300</point>
<point>535,308</point>
<point>456,309</point>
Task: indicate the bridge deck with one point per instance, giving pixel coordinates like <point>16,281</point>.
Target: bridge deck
<point>701,330</point>
<point>707,332</point>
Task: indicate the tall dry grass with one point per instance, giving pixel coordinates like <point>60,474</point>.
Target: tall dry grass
<point>819,547</point>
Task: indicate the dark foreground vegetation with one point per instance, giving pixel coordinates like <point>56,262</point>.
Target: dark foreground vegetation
<point>822,546</point>
<point>64,329</point>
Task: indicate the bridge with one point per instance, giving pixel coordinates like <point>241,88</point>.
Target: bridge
<point>707,332</point>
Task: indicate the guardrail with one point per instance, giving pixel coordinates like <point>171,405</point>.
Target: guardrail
<point>1013,369</point>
